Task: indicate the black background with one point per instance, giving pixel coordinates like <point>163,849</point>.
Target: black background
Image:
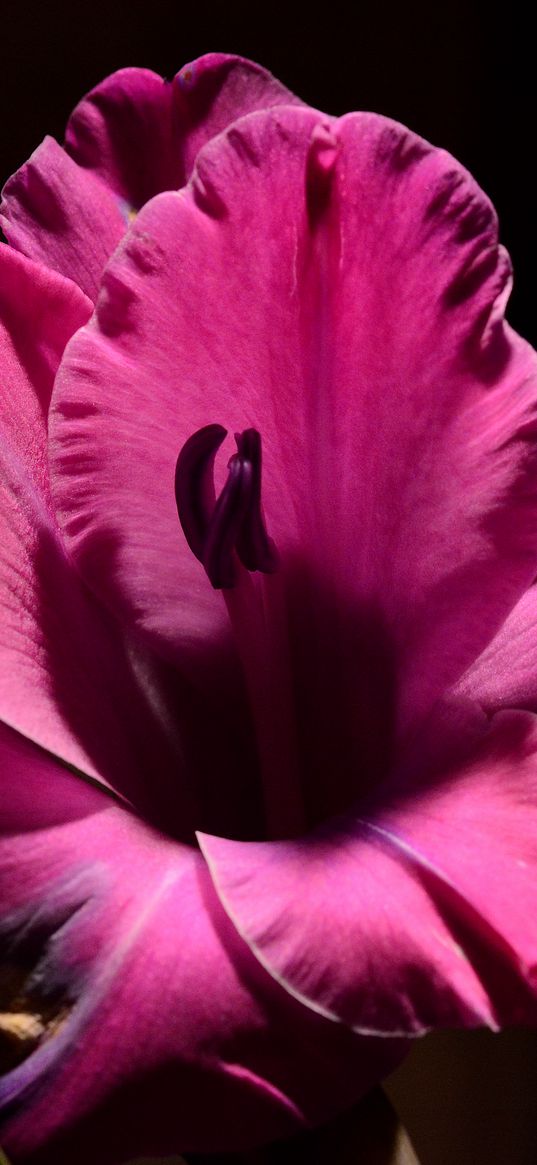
<point>455,73</point>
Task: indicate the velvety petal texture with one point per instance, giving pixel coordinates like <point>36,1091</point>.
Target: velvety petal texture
<point>338,287</point>
<point>37,792</point>
<point>505,675</point>
<point>61,216</point>
<point>69,678</point>
<point>414,913</point>
<point>145,1012</point>
<point>141,134</point>
<point>134,135</point>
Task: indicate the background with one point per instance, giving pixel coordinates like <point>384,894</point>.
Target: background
<point>462,80</point>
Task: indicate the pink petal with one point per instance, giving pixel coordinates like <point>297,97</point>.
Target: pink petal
<point>62,216</point>
<point>131,137</point>
<point>412,914</point>
<point>141,134</point>
<point>36,792</point>
<point>165,1017</point>
<point>69,680</point>
<point>338,287</point>
<point>505,675</point>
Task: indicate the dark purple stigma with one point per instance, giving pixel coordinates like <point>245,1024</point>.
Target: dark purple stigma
<point>216,528</point>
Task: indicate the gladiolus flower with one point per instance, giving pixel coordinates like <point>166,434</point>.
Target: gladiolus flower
<point>269,529</point>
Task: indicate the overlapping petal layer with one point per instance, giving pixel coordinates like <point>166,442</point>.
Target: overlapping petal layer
<point>416,912</point>
<point>37,792</point>
<point>141,134</point>
<point>338,287</point>
<point>69,678</point>
<point>505,675</point>
<point>153,1013</point>
<point>133,136</point>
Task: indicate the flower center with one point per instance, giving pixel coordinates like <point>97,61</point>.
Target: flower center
<point>218,529</point>
<point>28,1016</point>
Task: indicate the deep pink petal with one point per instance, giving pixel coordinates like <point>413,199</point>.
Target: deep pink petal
<point>340,288</point>
<point>36,792</point>
<point>69,679</point>
<point>62,216</point>
<point>414,914</point>
<point>505,675</point>
<point>131,137</point>
<point>141,134</point>
<point>113,933</point>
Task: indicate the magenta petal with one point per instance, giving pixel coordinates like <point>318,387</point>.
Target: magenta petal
<point>416,915</point>
<point>338,287</point>
<point>133,136</point>
<point>505,675</point>
<point>62,216</point>
<point>165,1016</point>
<point>69,679</point>
<point>36,792</point>
<point>141,134</point>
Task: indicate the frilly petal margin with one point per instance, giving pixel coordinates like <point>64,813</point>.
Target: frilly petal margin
<point>339,287</point>
<point>131,137</point>
<point>70,680</point>
<point>120,965</point>
<point>141,134</point>
<point>414,915</point>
